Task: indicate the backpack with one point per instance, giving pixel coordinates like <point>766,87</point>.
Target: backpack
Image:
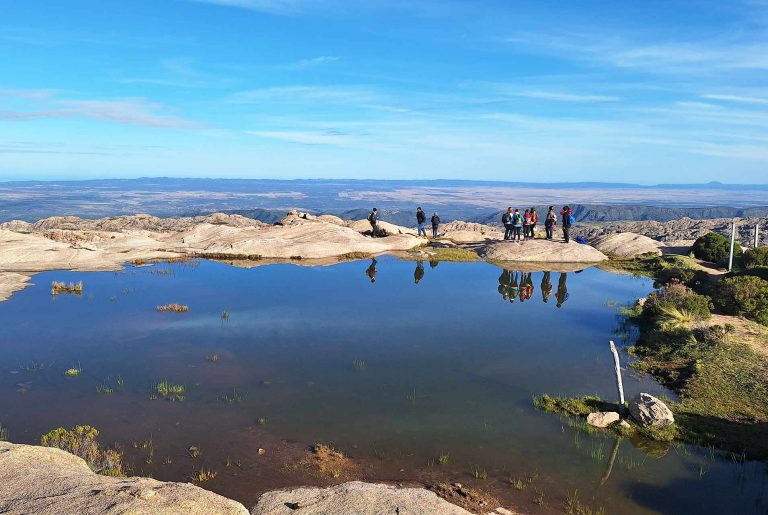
<point>571,220</point>
<point>517,219</point>
<point>505,218</point>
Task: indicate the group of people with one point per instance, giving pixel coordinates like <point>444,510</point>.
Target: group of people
<point>522,226</point>
<point>517,226</point>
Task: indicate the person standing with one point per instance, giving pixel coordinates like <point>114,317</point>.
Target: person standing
<point>435,224</point>
<point>550,222</point>
<point>526,224</point>
<point>567,214</point>
<point>517,225</point>
<point>421,221</point>
<point>534,221</point>
<point>506,219</point>
<point>373,218</point>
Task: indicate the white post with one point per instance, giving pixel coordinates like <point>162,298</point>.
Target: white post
<point>757,234</point>
<point>617,365</point>
<point>733,240</point>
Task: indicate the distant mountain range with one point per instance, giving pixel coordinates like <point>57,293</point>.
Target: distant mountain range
<point>480,201</point>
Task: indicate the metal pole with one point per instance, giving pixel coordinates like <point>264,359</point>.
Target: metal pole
<point>617,366</point>
<point>733,240</point>
<point>757,234</point>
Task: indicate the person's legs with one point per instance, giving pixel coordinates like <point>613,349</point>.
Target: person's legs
<point>422,230</point>
<point>434,231</point>
<point>533,231</point>
<point>507,231</point>
<point>567,234</point>
<point>374,230</point>
<point>549,231</point>
<point>517,233</point>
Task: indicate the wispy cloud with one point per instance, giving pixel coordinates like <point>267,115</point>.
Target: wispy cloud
<point>314,62</point>
<point>267,6</point>
<point>564,97</point>
<point>738,98</point>
<point>127,111</point>
<point>304,137</point>
<point>309,94</point>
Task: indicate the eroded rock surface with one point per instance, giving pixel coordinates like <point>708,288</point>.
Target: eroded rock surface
<point>541,251</point>
<point>603,419</point>
<point>626,245</point>
<point>649,411</point>
<point>44,480</point>
<point>355,497</point>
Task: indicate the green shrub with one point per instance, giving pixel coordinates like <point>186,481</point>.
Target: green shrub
<point>756,257</point>
<point>745,296</point>
<point>676,298</point>
<point>758,271</point>
<point>714,247</point>
<point>81,441</point>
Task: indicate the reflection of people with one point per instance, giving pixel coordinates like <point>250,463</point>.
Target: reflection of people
<point>373,218</point>
<point>546,286</point>
<point>514,289</point>
<point>562,289</point>
<point>433,264</point>
<point>419,272</point>
<point>371,271</point>
<point>528,282</point>
<point>421,220</point>
<point>504,281</point>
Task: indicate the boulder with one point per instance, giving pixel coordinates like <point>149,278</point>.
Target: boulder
<point>364,226</point>
<point>603,419</point>
<point>626,245</point>
<point>469,232</point>
<point>355,497</point>
<point>541,251</point>
<point>649,411</point>
<point>46,480</point>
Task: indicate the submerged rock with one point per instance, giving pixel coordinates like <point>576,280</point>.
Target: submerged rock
<point>649,411</point>
<point>355,497</point>
<point>603,419</point>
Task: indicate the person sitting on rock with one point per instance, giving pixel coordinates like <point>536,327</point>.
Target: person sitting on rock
<point>421,220</point>
<point>435,224</point>
<point>373,218</point>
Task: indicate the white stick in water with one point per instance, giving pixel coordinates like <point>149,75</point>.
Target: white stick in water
<point>619,384</point>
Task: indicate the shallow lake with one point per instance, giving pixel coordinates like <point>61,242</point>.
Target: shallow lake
<point>425,360</point>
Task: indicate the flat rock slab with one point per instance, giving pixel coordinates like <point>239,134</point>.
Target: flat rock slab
<point>541,251</point>
<point>603,419</point>
<point>626,245</point>
<point>44,480</point>
<point>355,497</point>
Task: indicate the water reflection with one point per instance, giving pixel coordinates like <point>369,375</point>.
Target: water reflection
<point>371,270</point>
<point>515,286</point>
<point>419,272</point>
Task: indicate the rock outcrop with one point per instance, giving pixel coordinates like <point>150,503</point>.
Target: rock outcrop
<point>469,232</point>
<point>649,411</point>
<point>603,419</point>
<point>355,497</point>
<point>45,480</point>
<point>541,251</point>
<point>626,245</point>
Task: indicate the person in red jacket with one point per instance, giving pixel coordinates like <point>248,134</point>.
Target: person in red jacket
<point>567,214</point>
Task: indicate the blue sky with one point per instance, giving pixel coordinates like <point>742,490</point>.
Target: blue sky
<point>646,92</point>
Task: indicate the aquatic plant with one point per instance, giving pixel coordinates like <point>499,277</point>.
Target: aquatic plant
<point>359,365</point>
<point>539,497</point>
<point>225,316</point>
<point>518,484</point>
<point>74,371</point>
<point>35,366</point>
<point>175,308</point>
<point>411,396</point>
<point>236,397</point>
<point>479,473</point>
<point>203,475</point>
<point>262,421</point>
<point>194,452</point>
<point>81,441</point>
<point>169,391</point>
<point>58,287</point>
<point>3,434</point>
<point>212,358</point>
<point>598,454</point>
<point>574,506</point>
<point>167,460</point>
<point>120,381</point>
<point>443,458</point>
<point>104,389</point>
<point>351,256</point>
<point>227,256</point>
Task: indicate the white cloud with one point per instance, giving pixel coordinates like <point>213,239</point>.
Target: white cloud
<point>565,97</point>
<point>315,61</point>
<point>304,137</point>
<point>268,6</point>
<point>738,98</point>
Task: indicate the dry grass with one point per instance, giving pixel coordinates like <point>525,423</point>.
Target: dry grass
<point>62,287</point>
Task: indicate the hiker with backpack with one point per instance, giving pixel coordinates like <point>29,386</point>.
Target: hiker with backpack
<point>373,218</point>
<point>568,221</point>
<point>517,225</point>
<point>435,224</point>
<point>506,219</point>
<point>421,220</point>
<point>550,222</point>
<point>534,221</point>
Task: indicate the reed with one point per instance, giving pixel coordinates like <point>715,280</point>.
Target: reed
<point>175,308</point>
<point>169,391</point>
<point>58,287</point>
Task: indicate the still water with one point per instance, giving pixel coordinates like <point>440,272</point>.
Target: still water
<point>390,361</point>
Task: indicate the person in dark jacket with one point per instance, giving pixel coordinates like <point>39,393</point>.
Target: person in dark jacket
<point>373,218</point>
<point>421,220</point>
<point>562,289</point>
<point>550,222</point>
<point>506,219</point>
<point>435,224</point>
<point>566,213</point>
<point>546,286</point>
